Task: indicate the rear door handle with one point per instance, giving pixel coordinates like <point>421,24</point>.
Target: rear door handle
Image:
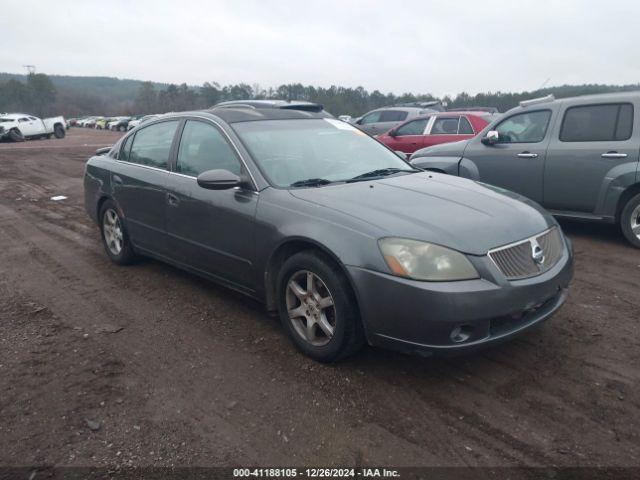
<point>528,155</point>
<point>172,200</point>
<point>614,155</point>
<point>117,180</point>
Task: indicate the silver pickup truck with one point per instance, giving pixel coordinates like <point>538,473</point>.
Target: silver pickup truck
<point>577,157</point>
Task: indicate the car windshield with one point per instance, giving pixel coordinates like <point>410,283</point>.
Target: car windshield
<point>316,152</point>
<point>3,120</point>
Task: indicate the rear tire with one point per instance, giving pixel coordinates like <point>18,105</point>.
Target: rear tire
<point>630,221</point>
<point>16,135</point>
<point>317,307</point>
<point>59,131</point>
<point>115,238</point>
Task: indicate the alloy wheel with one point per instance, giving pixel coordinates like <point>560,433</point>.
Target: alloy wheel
<point>112,231</point>
<point>311,308</point>
<point>635,221</point>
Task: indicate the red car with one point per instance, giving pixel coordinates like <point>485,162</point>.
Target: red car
<point>433,129</point>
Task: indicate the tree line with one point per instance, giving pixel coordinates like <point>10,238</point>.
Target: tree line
<point>77,96</point>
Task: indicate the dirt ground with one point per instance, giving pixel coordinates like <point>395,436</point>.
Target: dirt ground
<point>147,365</point>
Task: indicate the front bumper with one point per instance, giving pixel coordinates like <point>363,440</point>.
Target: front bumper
<point>420,317</point>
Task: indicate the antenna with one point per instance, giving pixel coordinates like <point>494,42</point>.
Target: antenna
<point>31,69</point>
<point>544,83</point>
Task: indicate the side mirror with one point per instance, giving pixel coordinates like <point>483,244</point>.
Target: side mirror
<point>402,155</point>
<point>218,180</point>
<point>393,133</point>
<point>491,138</point>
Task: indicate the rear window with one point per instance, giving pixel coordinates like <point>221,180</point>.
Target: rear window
<point>597,123</point>
<point>393,116</point>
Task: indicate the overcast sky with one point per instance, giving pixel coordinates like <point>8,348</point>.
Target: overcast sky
<point>424,46</point>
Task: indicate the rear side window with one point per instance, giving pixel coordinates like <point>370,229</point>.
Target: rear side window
<point>393,116</point>
<point>126,148</point>
<point>415,127</point>
<point>152,145</point>
<point>445,126</point>
<point>373,117</point>
<point>464,128</point>
<point>203,148</point>
<point>597,123</point>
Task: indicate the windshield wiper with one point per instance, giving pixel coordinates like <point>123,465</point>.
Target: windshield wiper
<point>311,182</point>
<point>381,172</point>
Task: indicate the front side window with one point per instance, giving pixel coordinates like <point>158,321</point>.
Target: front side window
<point>445,126</point>
<point>373,117</point>
<point>202,148</point>
<point>152,145</point>
<point>529,127</point>
<point>290,151</point>
<point>597,123</point>
<point>24,119</point>
<point>393,116</point>
<point>416,127</point>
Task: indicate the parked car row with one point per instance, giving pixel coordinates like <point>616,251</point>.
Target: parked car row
<point>19,127</point>
<point>120,124</point>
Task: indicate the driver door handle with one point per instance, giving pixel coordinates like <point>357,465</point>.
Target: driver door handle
<point>172,200</point>
<point>528,155</point>
<point>614,155</point>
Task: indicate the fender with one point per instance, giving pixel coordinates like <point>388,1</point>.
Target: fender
<point>615,183</point>
<point>449,165</point>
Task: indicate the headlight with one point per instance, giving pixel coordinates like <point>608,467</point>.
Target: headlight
<point>425,261</point>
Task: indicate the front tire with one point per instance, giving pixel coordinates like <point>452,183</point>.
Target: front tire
<point>317,307</point>
<point>59,131</point>
<point>16,135</point>
<point>630,221</point>
<point>114,235</point>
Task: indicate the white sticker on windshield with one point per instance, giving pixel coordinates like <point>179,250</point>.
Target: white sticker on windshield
<point>341,125</point>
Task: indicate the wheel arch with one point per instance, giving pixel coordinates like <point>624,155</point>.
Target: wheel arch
<point>103,198</point>
<point>630,192</point>
<point>284,250</point>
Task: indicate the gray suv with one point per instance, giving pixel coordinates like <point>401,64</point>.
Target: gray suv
<point>577,157</point>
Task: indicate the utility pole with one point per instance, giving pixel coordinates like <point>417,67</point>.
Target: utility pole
<point>31,69</point>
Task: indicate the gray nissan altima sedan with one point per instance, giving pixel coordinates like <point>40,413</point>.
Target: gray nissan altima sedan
<point>325,225</point>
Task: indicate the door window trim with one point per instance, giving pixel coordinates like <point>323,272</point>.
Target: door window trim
<point>618,104</point>
<point>243,163</point>
<point>174,165</point>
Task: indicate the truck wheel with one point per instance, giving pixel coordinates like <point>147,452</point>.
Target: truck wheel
<point>58,131</point>
<point>16,135</point>
<point>630,221</point>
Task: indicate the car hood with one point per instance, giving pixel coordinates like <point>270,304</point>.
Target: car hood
<point>452,149</point>
<point>454,212</point>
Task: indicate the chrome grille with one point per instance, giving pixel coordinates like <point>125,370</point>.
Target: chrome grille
<point>516,261</point>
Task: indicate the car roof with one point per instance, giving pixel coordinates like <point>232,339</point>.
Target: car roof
<point>272,103</point>
<point>244,114</point>
<point>537,103</point>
